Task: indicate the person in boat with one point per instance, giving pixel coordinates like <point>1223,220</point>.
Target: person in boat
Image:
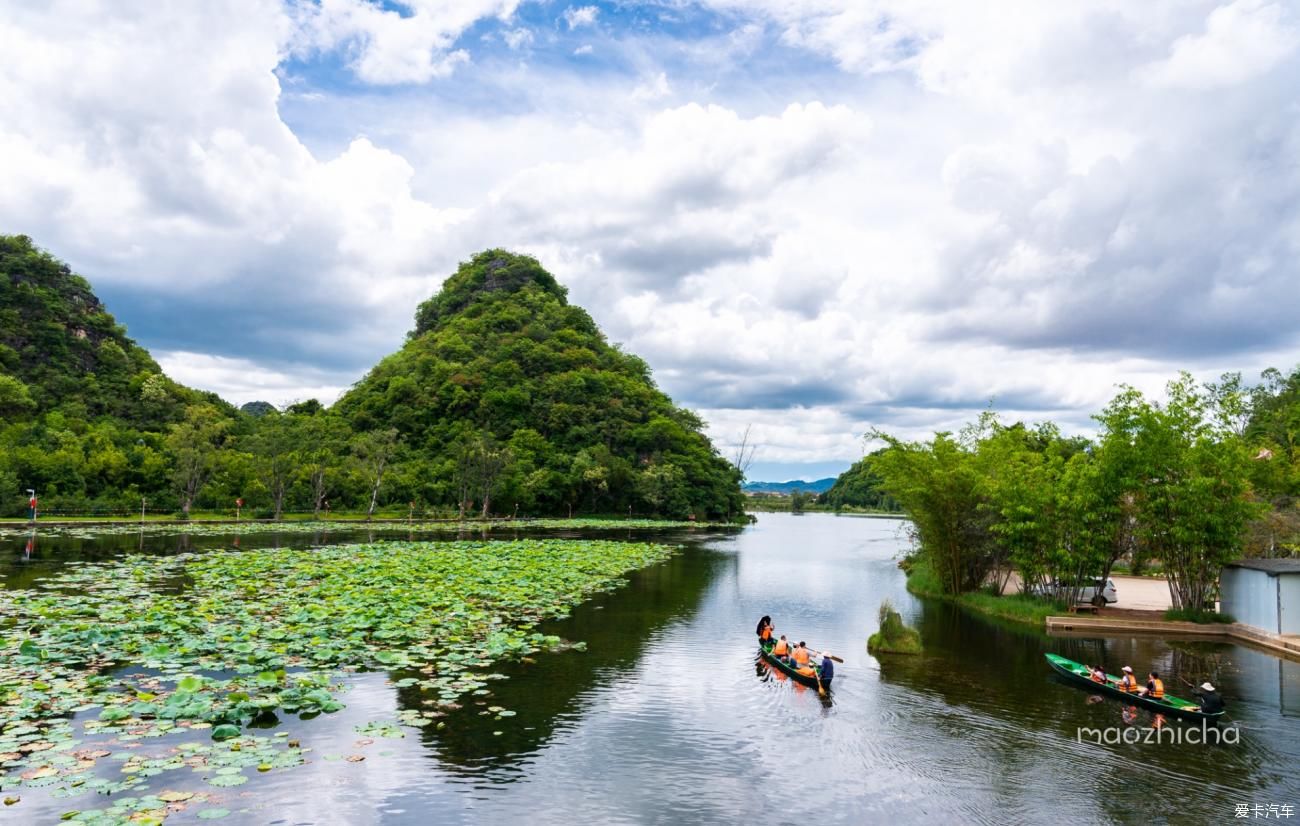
<point>1127,683</point>
<point>806,670</point>
<point>1096,674</point>
<point>1155,689</point>
<point>800,654</point>
<point>1211,702</point>
<point>827,668</point>
<point>782,648</point>
<point>764,629</point>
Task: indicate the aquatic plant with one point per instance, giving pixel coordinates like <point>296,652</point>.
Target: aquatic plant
<point>222,639</point>
<point>893,637</point>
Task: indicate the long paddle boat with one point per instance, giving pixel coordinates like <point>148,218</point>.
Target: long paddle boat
<point>1076,674</point>
<point>765,649</point>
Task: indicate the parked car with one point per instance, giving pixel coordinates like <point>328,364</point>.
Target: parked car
<point>1097,590</point>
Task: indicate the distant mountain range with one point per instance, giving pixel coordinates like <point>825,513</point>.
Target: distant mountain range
<point>819,486</point>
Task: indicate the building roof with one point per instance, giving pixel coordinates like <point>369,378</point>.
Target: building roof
<point>1272,566</point>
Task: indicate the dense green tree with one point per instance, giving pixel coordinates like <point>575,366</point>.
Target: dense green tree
<point>1189,481</point>
<point>193,444</point>
<point>940,485</point>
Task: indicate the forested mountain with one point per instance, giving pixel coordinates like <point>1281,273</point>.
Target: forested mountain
<point>61,350</point>
<point>504,396</point>
<point>509,394</point>
<point>858,487</point>
<point>816,486</point>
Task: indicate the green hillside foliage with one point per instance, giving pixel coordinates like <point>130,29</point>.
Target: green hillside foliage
<point>859,487</point>
<point>84,411</point>
<point>504,397</point>
<point>60,349</point>
<point>507,395</point>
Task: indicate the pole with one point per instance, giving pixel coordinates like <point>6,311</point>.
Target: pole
<point>142,504</point>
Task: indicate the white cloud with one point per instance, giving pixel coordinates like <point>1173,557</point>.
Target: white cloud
<point>656,87</point>
<point>391,47</point>
<point>518,38</point>
<point>585,48</point>
<point>576,17</point>
<point>1241,40</point>
<point>240,381</point>
<point>1026,202</point>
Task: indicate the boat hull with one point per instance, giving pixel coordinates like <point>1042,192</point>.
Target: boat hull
<point>1075,674</point>
<point>765,651</point>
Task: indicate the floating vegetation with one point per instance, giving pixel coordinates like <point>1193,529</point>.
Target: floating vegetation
<point>92,531</point>
<point>214,642</point>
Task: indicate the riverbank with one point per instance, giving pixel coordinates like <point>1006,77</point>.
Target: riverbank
<point>1022,608</point>
<point>250,526</point>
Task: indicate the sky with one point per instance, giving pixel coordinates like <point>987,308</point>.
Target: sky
<point>812,218</point>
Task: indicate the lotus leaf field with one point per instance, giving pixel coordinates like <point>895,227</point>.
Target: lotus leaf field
<point>93,530</point>
<point>147,646</point>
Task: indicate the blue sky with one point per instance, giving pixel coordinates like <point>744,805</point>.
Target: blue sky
<point>811,217</point>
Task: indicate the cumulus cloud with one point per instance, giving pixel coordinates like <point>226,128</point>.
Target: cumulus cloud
<point>575,17</point>
<point>387,45</point>
<point>929,207</point>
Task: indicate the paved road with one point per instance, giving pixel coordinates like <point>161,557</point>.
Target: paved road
<point>1137,593</point>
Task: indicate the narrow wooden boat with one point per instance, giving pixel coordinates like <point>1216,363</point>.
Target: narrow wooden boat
<point>1077,674</point>
<point>765,650</point>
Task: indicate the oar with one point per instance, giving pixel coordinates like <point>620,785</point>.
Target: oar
<point>821,689</point>
<point>833,657</point>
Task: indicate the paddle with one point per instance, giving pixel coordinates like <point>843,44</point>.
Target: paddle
<point>821,689</point>
<point>833,657</point>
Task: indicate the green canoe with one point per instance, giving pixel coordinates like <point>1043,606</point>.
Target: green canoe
<point>765,651</point>
<point>1077,674</point>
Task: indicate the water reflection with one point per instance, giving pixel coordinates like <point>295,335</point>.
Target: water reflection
<point>662,719</point>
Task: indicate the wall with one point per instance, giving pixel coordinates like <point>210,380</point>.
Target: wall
<point>1251,597</point>
<point>1290,594</point>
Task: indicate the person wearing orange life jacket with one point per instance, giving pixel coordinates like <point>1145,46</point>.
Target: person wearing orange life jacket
<point>806,670</point>
<point>782,648</point>
<point>1155,687</point>
<point>1127,683</point>
<point>764,629</point>
<point>1096,674</point>
<point>800,655</point>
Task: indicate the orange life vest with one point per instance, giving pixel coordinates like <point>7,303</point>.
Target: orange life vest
<point>781,648</point>
<point>1097,678</point>
<point>801,656</point>
<point>767,633</point>
<point>1127,683</point>
<point>806,670</point>
<point>1157,689</point>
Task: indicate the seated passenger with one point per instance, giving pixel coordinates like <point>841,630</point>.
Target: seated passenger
<point>1155,687</point>
<point>1128,683</point>
<point>800,655</point>
<point>782,648</point>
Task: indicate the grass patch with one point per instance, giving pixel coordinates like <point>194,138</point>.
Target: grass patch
<point>1202,616</point>
<point>893,637</point>
<point>1022,608</point>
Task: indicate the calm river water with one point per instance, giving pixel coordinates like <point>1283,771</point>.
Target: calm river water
<point>666,718</point>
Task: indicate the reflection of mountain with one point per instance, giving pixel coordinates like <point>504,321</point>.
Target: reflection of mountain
<point>549,692</point>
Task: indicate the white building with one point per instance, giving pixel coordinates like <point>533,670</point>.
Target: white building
<point>1264,593</point>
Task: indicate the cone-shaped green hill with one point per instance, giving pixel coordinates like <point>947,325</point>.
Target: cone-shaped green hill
<point>508,392</point>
